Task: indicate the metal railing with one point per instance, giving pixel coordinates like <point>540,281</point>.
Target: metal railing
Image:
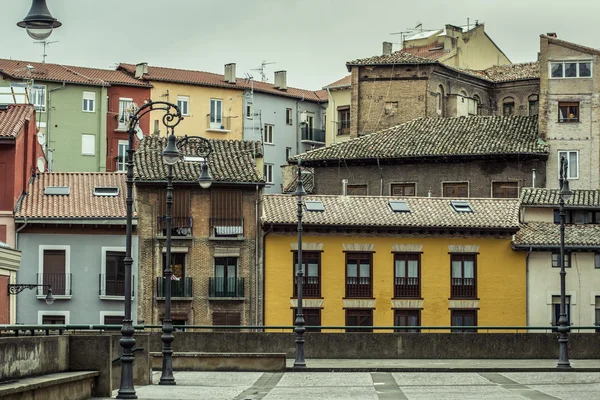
<point>406,287</point>
<point>463,288</point>
<point>60,283</point>
<point>179,288</point>
<point>180,226</point>
<point>217,122</point>
<point>225,287</point>
<point>343,131</point>
<point>227,227</point>
<point>113,287</point>
<point>358,287</point>
<point>313,135</point>
<point>311,286</point>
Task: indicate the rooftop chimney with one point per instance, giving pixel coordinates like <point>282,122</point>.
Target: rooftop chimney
<point>280,80</point>
<point>387,48</point>
<point>551,34</point>
<point>229,73</point>
<point>140,70</point>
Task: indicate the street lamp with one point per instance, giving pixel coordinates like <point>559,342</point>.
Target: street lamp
<point>563,328</point>
<point>199,147</point>
<point>171,118</point>
<point>39,23</point>
<point>19,287</point>
<point>299,329</point>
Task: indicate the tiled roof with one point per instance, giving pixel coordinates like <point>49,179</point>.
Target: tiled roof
<point>230,161</point>
<point>432,51</point>
<point>397,57</point>
<point>66,73</point>
<point>13,119</point>
<point>440,137</point>
<point>308,181</point>
<point>340,83</point>
<point>80,202</point>
<point>202,78</point>
<point>536,197</point>
<point>368,211</point>
<point>513,72</point>
<point>547,234</point>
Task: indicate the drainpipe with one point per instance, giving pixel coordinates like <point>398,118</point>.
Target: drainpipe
<point>380,178</point>
<point>51,159</point>
<point>333,135</point>
<point>17,234</point>
<point>533,178</point>
<point>344,186</point>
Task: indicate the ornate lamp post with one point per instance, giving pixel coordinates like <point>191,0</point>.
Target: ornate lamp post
<point>199,147</point>
<point>19,287</point>
<point>299,329</point>
<point>39,23</point>
<point>563,324</point>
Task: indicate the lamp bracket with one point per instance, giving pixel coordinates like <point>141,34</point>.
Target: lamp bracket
<point>19,287</point>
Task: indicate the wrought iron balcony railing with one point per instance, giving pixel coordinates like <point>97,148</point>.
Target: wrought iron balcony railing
<point>111,286</point>
<point>227,227</point>
<point>60,283</point>
<point>179,288</point>
<point>225,287</point>
<point>180,226</point>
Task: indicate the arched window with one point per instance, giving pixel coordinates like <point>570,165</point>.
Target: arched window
<point>508,106</point>
<point>440,105</point>
<point>534,104</point>
<point>475,106</point>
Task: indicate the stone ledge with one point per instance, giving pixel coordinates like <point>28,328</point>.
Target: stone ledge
<point>198,361</point>
<point>44,381</point>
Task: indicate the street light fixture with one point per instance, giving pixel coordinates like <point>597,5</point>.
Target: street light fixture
<point>39,23</point>
<point>19,287</point>
<point>299,329</point>
<point>199,147</point>
<point>563,326</point>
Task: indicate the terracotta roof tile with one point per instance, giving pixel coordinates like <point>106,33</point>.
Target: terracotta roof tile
<point>513,72</point>
<point>368,211</point>
<point>80,202</point>
<point>66,73</point>
<point>231,161</point>
<point>538,197</point>
<point>547,234</point>
<point>398,57</point>
<point>202,78</point>
<point>440,137</point>
<point>432,51</point>
<point>308,181</point>
<point>340,83</point>
<point>13,119</point>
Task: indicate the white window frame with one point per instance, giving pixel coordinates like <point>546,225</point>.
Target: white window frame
<point>288,153</point>
<point>124,162</point>
<point>269,171</point>
<point>181,101</point>
<point>67,250</point>
<point>89,102</point>
<point>84,151</point>
<point>66,314</point>
<point>110,314</point>
<point>569,171</point>
<point>216,120</point>
<point>123,125</point>
<point>591,62</point>
<point>249,111</point>
<point>33,95</point>
<point>268,134</point>
<point>103,251</point>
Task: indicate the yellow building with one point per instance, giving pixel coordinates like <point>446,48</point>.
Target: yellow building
<point>383,261</point>
<point>338,111</point>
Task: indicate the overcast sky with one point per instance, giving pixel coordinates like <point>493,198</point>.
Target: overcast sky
<point>311,39</point>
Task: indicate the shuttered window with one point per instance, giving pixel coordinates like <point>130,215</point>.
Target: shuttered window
<point>54,270</point>
<point>227,318</point>
<point>181,203</point>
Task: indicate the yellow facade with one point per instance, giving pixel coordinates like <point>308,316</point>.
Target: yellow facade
<point>197,123</point>
<point>500,274</point>
<point>337,98</point>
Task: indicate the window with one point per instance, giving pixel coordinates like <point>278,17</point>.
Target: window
<point>122,155</point>
<point>461,206</point>
<point>53,320</point>
<point>180,285</point>
<point>571,69</point>
<point>407,282</point>
<point>268,134</point>
<point>597,260</point>
<point>572,163</point>
<point>391,107</point>
<point>440,100</point>
<point>556,310</point>
<point>398,206</point>
<point>534,104</point>
<point>177,264</point>
<point>578,217</point>
<point>403,189</point>
<point>216,113</point>
<point>126,110</point>
<point>311,268</point>
<point>343,120</point>
<point>356,190</point>
<point>464,318</point>
<point>181,220</point>
<point>503,190</point>
<point>359,317</point>
<point>358,275</point>
<point>288,153</point>
<point>556,260</point>
<point>463,281</point>
<point>407,318</point>
<point>288,116</point>
<point>89,101</point>
<point>314,205</point>
<point>312,317</point>
<point>226,279</point>
<point>508,106</point>
<point>568,111</point>
<point>183,102</point>
<point>249,111</point>
<point>36,94</point>
<point>88,144</point>
<point>227,319</point>
<point>114,283</point>
<point>54,270</point>
<point>597,314</point>
<point>113,320</point>
<point>473,105</point>
<point>226,218</point>
<point>456,189</point>
<point>268,173</point>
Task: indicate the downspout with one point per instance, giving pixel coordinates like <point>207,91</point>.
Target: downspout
<point>50,159</point>
<point>297,129</point>
<point>331,116</point>
<point>17,234</point>
<point>380,179</point>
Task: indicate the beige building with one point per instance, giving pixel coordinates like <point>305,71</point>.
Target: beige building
<point>10,260</point>
<point>338,111</point>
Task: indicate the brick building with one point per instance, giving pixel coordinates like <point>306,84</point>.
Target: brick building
<point>215,242</point>
<point>478,156</point>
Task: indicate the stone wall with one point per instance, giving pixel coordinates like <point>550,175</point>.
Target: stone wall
<point>25,356</point>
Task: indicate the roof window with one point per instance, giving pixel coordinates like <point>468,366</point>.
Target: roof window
<point>106,191</point>
<point>461,206</point>
<point>193,159</point>
<point>314,205</point>
<point>398,206</point>
<point>57,190</point>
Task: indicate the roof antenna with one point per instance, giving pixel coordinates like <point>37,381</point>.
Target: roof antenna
<point>46,44</point>
<point>262,68</point>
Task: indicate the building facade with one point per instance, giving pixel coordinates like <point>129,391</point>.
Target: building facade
<point>337,128</point>
<point>10,260</point>
<point>383,261</point>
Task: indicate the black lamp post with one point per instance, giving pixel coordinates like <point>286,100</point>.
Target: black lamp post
<point>199,147</point>
<point>171,118</point>
<point>19,287</point>
<point>39,23</point>
<point>563,324</point>
<point>299,329</point>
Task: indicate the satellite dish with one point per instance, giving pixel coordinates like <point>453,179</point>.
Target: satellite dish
<point>41,164</point>
<point>138,133</point>
<point>41,139</point>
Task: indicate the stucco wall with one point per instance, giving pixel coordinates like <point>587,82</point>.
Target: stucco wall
<point>337,98</point>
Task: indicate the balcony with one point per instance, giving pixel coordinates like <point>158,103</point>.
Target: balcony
<point>313,135</point>
<point>113,287</point>
<point>358,287</point>
<point>227,228</point>
<point>311,286</point>
<point>218,123</point>
<point>179,288</point>
<point>226,288</point>
<point>406,287</point>
<point>463,288</point>
<point>180,226</point>
<point>60,283</point>
<point>343,131</point>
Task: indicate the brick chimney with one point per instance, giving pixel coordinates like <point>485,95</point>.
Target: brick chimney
<point>229,73</point>
<point>387,48</point>
<point>140,70</point>
<point>551,34</point>
<point>280,80</point>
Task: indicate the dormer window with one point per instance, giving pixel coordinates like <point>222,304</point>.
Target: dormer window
<point>314,205</point>
<point>398,206</point>
<point>57,190</point>
<point>461,206</point>
<point>106,191</point>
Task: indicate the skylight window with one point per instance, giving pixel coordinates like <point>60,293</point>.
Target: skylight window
<point>193,159</point>
<point>314,205</point>
<point>461,206</point>
<point>57,190</point>
<point>106,191</point>
<point>398,206</point>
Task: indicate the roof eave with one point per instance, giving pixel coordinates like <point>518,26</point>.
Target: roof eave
<point>507,230</point>
<point>550,247</point>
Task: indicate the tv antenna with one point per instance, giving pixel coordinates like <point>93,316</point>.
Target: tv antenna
<point>46,44</point>
<point>262,68</point>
